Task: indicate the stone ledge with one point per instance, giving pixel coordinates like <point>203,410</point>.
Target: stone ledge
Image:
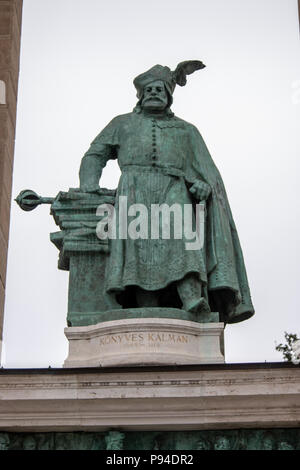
<point>169,398</point>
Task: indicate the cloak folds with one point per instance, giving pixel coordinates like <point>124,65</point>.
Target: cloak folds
<point>227,281</point>
<point>180,146</point>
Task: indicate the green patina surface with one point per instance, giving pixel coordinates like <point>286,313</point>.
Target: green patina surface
<point>245,439</point>
<point>163,160</point>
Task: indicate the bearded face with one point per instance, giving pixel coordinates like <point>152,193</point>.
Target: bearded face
<point>155,97</point>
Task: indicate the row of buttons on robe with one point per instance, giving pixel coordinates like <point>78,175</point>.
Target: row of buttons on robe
<point>154,156</point>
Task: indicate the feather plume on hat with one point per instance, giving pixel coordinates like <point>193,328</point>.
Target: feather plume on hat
<point>186,68</point>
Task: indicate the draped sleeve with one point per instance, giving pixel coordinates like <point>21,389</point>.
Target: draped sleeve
<point>103,148</point>
<point>105,145</point>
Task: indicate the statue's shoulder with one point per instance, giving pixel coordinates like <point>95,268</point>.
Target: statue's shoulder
<point>117,123</point>
<point>123,118</point>
<point>187,125</point>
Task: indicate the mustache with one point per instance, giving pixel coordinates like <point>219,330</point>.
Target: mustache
<point>153,98</point>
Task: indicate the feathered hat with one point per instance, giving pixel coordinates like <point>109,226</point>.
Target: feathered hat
<point>169,77</point>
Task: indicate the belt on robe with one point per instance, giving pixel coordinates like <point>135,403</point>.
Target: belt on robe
<point>155,168</point>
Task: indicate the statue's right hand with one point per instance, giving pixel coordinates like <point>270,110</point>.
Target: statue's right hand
<point>89,188</point>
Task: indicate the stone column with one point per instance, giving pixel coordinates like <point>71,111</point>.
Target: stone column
<point>10,32</point>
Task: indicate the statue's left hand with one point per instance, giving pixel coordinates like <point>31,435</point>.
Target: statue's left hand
<point>200,190</point>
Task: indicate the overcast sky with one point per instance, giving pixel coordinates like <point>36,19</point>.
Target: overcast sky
<point>78,60</point>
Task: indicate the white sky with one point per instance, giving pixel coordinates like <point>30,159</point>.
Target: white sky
<point>78,59</point>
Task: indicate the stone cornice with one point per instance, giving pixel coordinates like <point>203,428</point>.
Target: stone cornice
<point>132,399</point>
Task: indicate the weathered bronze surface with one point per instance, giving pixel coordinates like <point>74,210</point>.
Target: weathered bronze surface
<point>241,439</point>
<point>163,160</point>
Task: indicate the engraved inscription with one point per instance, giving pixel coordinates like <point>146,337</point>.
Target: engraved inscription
<point>151,339</point>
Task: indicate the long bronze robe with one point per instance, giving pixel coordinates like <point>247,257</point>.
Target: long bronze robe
<point>160,158</point>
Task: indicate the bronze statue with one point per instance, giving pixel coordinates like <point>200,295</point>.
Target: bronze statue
<point>164,160</point>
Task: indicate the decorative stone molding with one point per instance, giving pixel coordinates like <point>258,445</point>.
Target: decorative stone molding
<point>156,398</point>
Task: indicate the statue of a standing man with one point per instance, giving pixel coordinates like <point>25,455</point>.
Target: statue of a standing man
<point>164,160</point>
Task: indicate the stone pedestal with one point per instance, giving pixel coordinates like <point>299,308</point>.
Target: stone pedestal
<point>145,341</point>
